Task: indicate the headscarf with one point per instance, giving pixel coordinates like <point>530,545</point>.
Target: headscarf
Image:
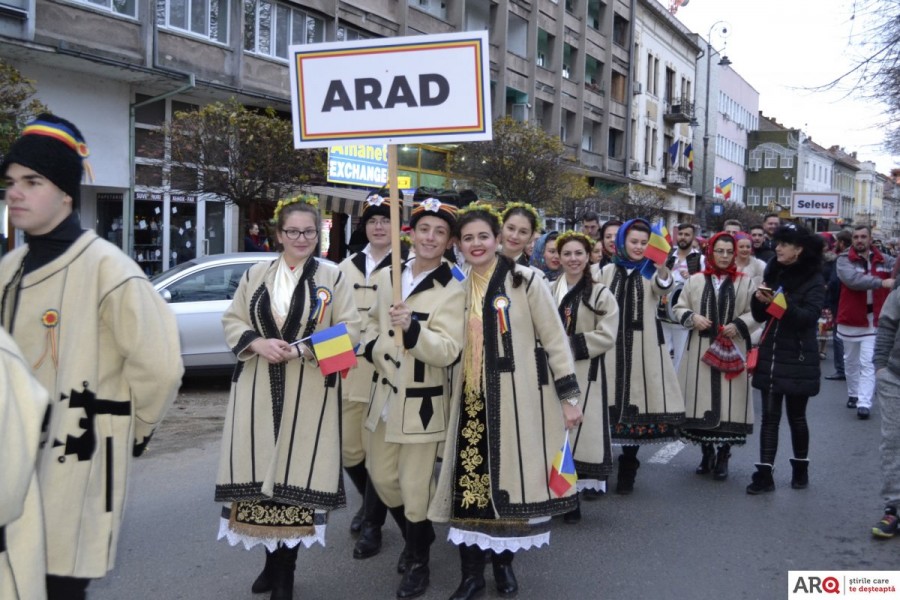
<point>731,270</point>
<point>621,258</point>
<point>537,256</point>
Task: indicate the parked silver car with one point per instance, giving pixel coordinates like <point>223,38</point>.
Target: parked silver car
<point>199,291</point>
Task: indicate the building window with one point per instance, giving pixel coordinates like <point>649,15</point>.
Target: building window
<point>620,31</point>
<point>517,35</point>
<point>120,7</point>
<point>343,34</point>
<point>787,162</point>
<point>617,84</point>
<point>771,160</point>
<point>768,195</point>
<point>755,160</point>
<point>784,196</point>
<point>207,18</point>
<point>753,196</point>
<point>270,28</point>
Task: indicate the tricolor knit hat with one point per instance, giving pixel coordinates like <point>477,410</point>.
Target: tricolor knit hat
<point>54,148</point>
<point>379,204</point>
<point>442,204</point>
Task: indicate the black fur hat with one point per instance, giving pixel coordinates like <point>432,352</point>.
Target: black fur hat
<point>54,148</point>
<point>798,235</point>
<point>436,203</point>
<point>379,204</point>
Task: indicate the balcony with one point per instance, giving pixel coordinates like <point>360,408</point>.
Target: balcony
<point>677,178</point>
<point>679,111</point>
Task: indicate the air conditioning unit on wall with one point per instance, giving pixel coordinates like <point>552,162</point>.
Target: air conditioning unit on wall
<point>637,88</point>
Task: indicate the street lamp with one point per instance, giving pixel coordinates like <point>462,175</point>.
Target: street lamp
<point>723,62</point>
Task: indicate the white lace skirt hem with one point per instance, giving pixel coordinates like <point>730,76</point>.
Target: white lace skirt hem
<point>270,543</point>
<point>497,544</point>
<point>590,484</point>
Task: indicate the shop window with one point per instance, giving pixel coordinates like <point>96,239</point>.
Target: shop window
<point>184,178</point>
<point>148,175</point>
<point>433,160</point>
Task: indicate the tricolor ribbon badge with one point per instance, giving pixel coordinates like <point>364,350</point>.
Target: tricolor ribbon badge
<point>568,317</point>
<point>501,304</point>
<point>323,299</point>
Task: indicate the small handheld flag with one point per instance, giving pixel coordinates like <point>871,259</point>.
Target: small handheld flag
<point>458,274</point>
<point>333,349</point>
<point>562,473</point>
<point>659,247</point>
<point>779,305</point>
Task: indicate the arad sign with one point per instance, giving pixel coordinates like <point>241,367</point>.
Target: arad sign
<point>816,205</point>
<point>418,89</point>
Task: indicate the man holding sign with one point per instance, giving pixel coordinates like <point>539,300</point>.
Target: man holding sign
<point>409,407</point>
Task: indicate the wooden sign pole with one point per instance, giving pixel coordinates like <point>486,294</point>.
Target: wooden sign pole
<point>395,235</point>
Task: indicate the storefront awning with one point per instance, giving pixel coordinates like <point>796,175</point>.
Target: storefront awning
<point>348,201</point>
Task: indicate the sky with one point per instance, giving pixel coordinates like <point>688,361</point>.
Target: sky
<point>785,47</point>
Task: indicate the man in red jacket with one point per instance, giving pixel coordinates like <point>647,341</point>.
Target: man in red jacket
<point>865,275</point>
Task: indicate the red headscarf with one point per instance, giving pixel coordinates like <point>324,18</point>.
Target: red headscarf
<point>711,268</point>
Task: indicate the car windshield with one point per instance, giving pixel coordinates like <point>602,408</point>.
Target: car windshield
<point>173,271</point>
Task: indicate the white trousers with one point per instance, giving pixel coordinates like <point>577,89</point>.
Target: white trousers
<point>859,369</point>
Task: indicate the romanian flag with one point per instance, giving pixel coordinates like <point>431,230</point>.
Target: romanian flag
<point>660,243</point>
<point>333,350</point>
<point>725,186</point>
<point>779,305</point>
<point>689,154</point>
<point>562,473</point>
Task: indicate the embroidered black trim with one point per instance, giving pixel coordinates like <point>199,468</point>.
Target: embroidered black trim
<point>567,387</point>
<point>288,494</point>
<point>247,338</point>
<point>579,347</point>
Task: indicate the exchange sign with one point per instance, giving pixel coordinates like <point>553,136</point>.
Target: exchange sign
<point>418,89</point>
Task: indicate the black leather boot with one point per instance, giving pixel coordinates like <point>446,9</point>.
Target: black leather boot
<point>263,583</point>
<point>800,476</point>
<point>708,462</point>
<point>400,517</point>
<point>283,573</point>
<point>358,475</point>
<point>471,559</point>
<point>574,516</point>
<point>504,577</point>
<point>762,480</point>
<point>628,466</point>
<point>369,542</point>
<point>419,537</point>
<point>721,470</point>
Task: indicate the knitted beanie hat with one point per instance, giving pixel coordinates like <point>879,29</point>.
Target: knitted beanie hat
<point>54,148</point>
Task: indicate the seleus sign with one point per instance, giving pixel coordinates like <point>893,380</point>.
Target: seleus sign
<point>420,89</point>
<point>820,205</point>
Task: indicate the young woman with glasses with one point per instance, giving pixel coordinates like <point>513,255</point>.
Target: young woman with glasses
<point>280,465</point>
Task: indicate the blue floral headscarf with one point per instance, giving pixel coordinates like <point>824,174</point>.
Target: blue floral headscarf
<point>621,258</point>
<point>537,256</point>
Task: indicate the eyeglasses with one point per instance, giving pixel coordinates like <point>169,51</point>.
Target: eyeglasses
<point>294,234</point>
<point>379,222</point>
<point>722,252</point>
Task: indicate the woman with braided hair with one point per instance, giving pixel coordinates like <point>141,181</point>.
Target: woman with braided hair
<point>590,316</point>
<point>645,401</point>
<point>718,402</point>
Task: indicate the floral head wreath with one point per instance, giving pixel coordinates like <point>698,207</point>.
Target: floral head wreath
<point>527,208</point>
<point>480,206</point>
<point>568,236</point>
<point>304,199</point>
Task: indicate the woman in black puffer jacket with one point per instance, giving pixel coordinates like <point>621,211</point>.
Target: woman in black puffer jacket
<point>788,369</point>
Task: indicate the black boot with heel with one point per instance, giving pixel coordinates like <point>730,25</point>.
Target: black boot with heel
<point>471,560</point>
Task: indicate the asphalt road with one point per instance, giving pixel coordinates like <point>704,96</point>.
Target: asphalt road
<point>679,535</point>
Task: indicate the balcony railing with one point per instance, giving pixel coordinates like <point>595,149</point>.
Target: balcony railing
<point>679,111</point>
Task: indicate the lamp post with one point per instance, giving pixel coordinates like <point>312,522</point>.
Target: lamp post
<point>724,62</point>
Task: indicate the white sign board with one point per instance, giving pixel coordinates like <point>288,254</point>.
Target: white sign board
<point>416,89</point>
<point>818,205</point>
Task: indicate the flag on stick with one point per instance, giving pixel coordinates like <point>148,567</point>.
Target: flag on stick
<point>562,473</point>
<point>659,246</point>
<point>779,304</point>
<point>333,349</point>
